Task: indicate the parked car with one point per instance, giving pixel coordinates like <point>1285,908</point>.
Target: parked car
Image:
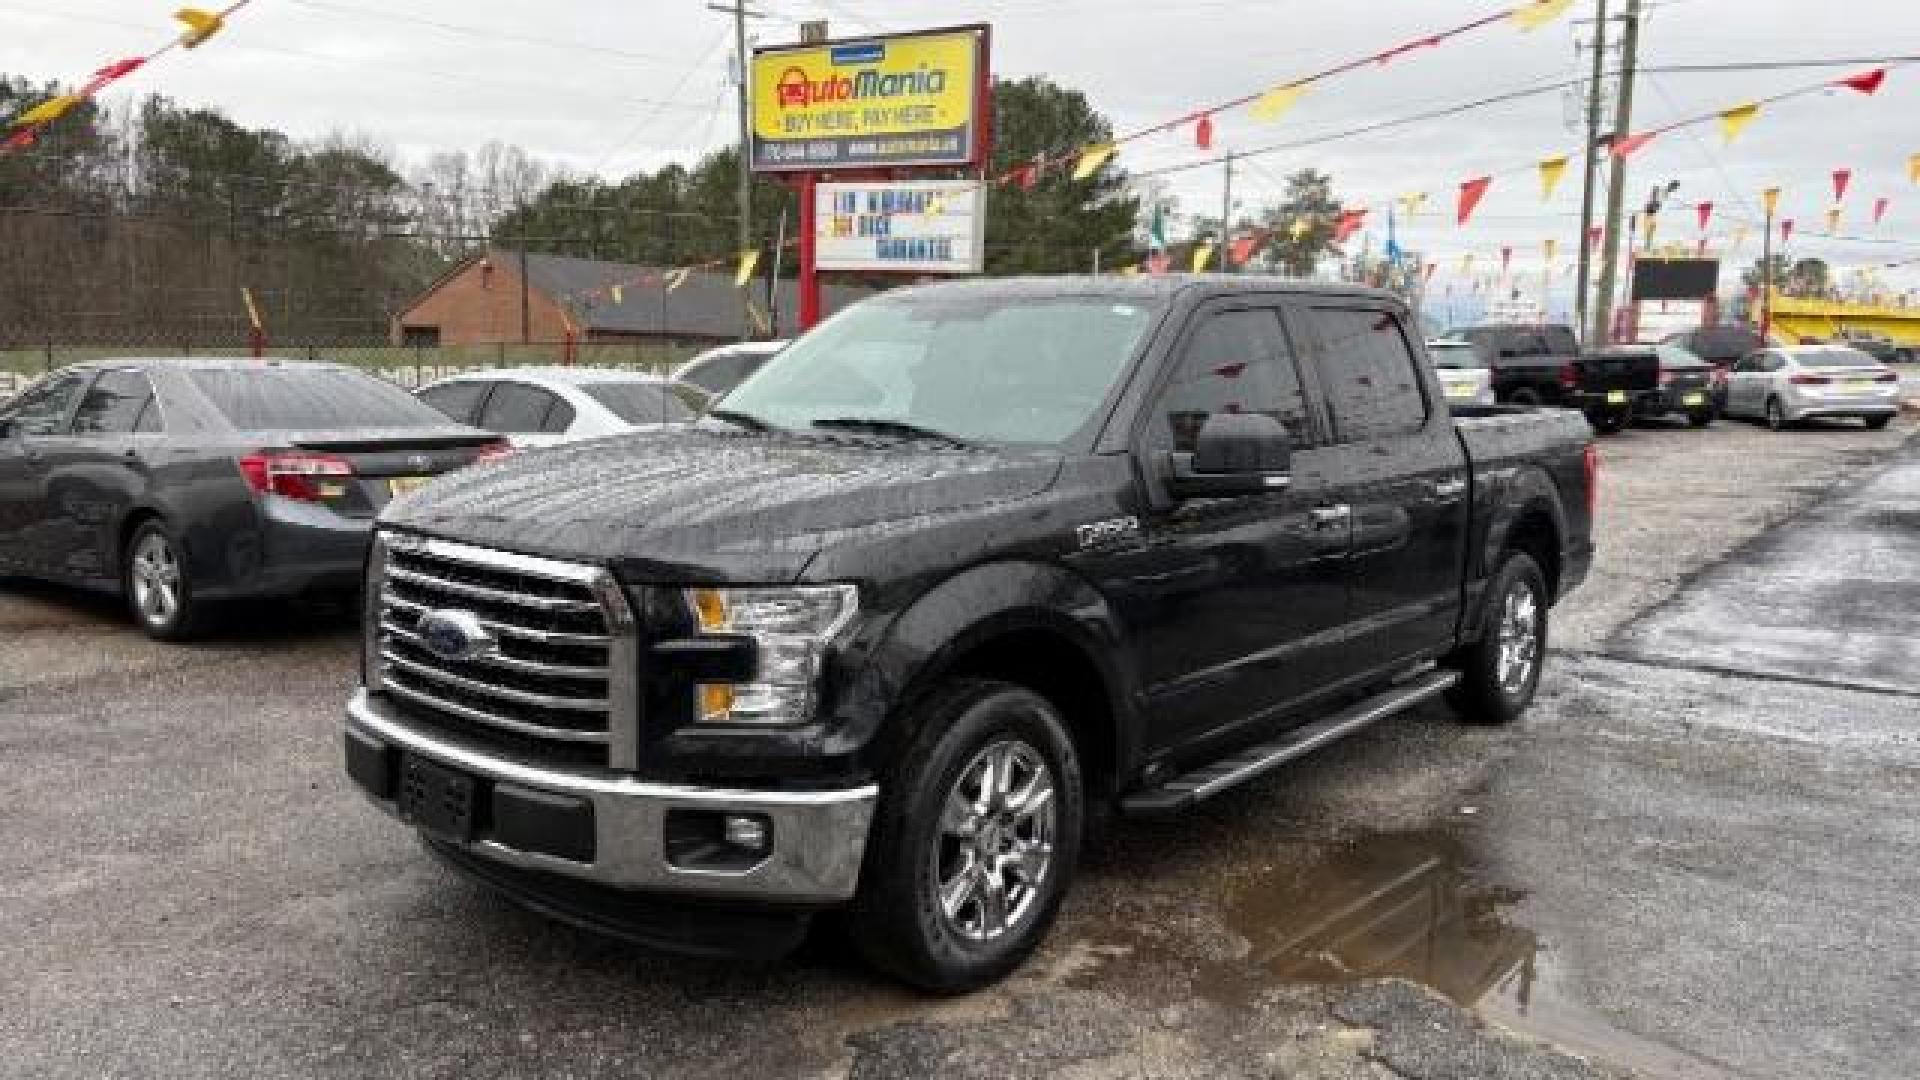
<point>1528,363</point>
<point>1685,387</point>
<point>181,483</point>
<point>717,371</point>
<point>1785,386</point>
<point>1722,346</point>
<point>1878,346</point>
<point>547,405</point>
<point>885,636</point>
<point>1465,378</point>
<point>1608,385</point>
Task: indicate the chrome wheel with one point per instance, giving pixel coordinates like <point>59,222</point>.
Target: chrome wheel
<point>1776,416</point>
<point>1519,638</point>
<point>994,847</point>
<point>155,580</point>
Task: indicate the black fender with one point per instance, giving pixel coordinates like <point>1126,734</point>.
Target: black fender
<point>912,652</point>
<point>1513,495</point>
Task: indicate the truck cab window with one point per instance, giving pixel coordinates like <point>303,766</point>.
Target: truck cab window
<point>1370,375</point>
<point>1234,362</point>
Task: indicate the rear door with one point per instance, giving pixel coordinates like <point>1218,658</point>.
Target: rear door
<point>96,472</point>
<point>1397,467</point>
<point>461,401</point>
<point>32,421</point>
<point>1746,385</point>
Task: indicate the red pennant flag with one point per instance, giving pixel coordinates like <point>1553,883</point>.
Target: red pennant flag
<point>1426,274</point>
<point>1880,209</point>
<point>1203,132</point>
<point>1595,235</point>
<point>1347,224</point>
<point>1242,249</point>
<point>1866,82</point>
<point>1705,210</point>
<point>1841,178</point>
<point>1702,253</point>
<point>119,69</point>
<point>1506,258</point>
<point>1402,50</point>
<point>1471,193</point>
<point>21,139</point>
<point>1625,148</point>
<point>1786,230</point>
<point>1026,176</point>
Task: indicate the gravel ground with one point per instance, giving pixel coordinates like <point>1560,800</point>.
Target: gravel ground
<point>1639,874</point>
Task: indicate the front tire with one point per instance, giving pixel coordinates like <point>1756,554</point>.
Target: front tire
<point>1501,670</point>
<point>975,840</point>
<point>1609,423</point>
<point>1875,423</point>
<point>1700,417</point>
<point>1777,416</point>
<point>159,588</point>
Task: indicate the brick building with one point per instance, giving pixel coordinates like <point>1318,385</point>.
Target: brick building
<point>480,302</point>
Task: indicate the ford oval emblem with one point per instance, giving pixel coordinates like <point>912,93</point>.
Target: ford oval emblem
<point>455,635</point>
<point>420,463</point>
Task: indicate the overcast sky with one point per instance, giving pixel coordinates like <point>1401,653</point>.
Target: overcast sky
<point>612,85</point>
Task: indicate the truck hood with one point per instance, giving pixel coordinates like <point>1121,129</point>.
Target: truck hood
<point>707,505</point>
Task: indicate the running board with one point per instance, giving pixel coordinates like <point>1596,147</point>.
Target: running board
<point>1181,792</point>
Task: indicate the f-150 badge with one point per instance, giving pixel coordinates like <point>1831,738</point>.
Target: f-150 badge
<point>1106,532</point>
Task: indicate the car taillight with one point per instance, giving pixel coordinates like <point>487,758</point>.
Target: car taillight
<point>493,451</point>
<point>1887,376</point>
<point>1590,465</point>
<point>1802,379</point>
<point>298,476</point>
<point>1569,376</point>
<point>1662,374</point>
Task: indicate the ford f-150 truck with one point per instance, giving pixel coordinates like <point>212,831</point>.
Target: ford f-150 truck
<point>962,570</point>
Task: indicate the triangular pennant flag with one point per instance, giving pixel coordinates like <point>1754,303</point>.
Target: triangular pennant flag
<point>1203,132</point>
<point>1735,120</point>
<point>1700,252</point>
<point>1506,259</point>
<point>1299,228</point>
<point>1653,227</point>
<point>21,139</point>
<point>1595,235</point>
<point>1092,158</point>
<point>1913,168</point>
<point>748,260</point>
<point>1880,209</point>
<point>1833,219</point>
<point>1275,103</point>
<point>1866,82</point>
<point>678,278</point>
<point>1627,147</point>
<point>1549,247</point>
<point>119,69</point>
<point>1412,201</point>
<point>1347,224</point>
<point>1202,255</point>
<point>1130,270</point>
<point>1786,230</point>
<point>1157,263</point>
<point>618,296</point>
<point>1705,212</point>
<point>1539,13</point>
<point>1551,170</point>
<point>1739,236</point>
<point>1466,264</point>
<point>201,25</point>
<point>1471,193</point>
<point>47,111</point>
<point>1770,199</point>
<point>1243,249</point>
<point>1026,176</point>
<point>1841,178</point>
<point>1426,274</point>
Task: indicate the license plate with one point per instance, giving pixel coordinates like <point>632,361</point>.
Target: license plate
<point>437,799</point>
<point>1616,397</point>
<point>1693,399</point>
<point>407,485</point>
<point>1858,386</point>
<point>1459,391</point>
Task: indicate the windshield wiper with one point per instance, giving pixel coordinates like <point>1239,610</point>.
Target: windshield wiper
<point>741,419</point>
<point>900,428</point>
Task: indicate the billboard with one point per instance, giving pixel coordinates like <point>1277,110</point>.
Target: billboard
<point>907,99</point>
<point>915,226</point>
<point>1674,279</point>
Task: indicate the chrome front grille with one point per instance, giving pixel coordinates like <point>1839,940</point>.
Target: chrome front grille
<point>551,673</point>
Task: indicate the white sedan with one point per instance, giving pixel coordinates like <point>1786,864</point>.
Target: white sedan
<point>543,406</point>
<point>1784,386</point>
<point>1463,371</point>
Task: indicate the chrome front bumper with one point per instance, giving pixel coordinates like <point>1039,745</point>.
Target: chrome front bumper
<point>819,837</point>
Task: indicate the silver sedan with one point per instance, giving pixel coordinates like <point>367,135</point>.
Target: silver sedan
<point>1784,386</point>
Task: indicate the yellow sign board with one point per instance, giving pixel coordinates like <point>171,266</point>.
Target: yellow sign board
<point>908,99</point>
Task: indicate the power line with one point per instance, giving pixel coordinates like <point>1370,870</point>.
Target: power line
<point>486,33</point>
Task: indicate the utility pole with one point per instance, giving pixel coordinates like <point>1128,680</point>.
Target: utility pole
<point>738,9</point>
<point>1226,215</point>
<point>1766,276</point>
<point>1617,185</point>
<point>1584,284</point>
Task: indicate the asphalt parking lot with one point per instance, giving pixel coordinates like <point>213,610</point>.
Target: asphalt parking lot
<point>1696,857</point>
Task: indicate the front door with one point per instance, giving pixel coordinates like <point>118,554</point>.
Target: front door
<point>35,418</point>
<point>1229,600</point>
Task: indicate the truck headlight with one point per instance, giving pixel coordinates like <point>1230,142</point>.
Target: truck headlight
<point>790,629</point>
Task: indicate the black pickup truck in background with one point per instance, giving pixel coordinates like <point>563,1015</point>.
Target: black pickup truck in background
<point>1529,361</point>
<point>963,569</point>
<point>1611,385</point>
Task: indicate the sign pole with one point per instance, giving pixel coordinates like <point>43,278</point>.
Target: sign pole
<point>809,272</point>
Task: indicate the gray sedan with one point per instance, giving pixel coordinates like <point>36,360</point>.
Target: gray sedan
<point>1785,386</point>
<point>180,483</point>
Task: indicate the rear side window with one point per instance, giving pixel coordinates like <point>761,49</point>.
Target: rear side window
<point>640,402</point>
<point>113,404</point>
<point>518,409</point>
<point>1235,362</point>
<point>458,400</point>
<point>1838,358</point>
<point>1370,375</point>
<point>310,399</point>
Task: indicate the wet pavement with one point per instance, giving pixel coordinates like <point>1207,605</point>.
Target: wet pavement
<point>1680,863</point>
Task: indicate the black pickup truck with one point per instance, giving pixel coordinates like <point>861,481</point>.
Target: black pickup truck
<point>961,570</point>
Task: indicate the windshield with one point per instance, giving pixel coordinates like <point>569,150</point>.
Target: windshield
<point>1000,369</point>
<point>1673,356</point>
<point>640,402</point>
<point>290,398</point>
<point>1455,354</point>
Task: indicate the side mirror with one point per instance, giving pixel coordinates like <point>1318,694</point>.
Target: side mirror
<point>1234,454</point>
<point>6,428</point>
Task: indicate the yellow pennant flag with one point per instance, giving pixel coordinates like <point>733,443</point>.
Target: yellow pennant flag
<point>1539,13</point>
<point>1276,102</point>
<point>1653,228</point>
<point>1299,228</point>
<point>201,25</point>
<point>1739,236</point>
<point>1412,201</point>
<point>1770,199</point>
<point>1551,170</point>
<point>677,278</point>
<point>47,111</point>
<point>1466,263</point>
<point>1202,255</point>
<point>748,260</point>
<point>1130,270</point>
<point>1913,168</point>
<point>1735,120</point>
<point>1551,246</point>
<point>1092,158</point>
<point>618,296</point>
<point>1833,219</point>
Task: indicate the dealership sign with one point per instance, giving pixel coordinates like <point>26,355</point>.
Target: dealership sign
<point>908,99</point>
<point>916,227</point>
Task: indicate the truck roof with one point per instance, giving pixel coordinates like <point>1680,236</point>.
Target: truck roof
<point>1157,287</point>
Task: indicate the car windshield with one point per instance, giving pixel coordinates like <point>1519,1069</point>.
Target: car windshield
<point>1455,354</point>
<point>1838,358</point>
<point>640,402</point>
<point>296,398</point>
<point>1000,369</point>
<point>1674,356</point>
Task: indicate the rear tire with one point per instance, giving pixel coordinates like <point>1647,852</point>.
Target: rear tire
<point>1500,671</point>
<point>1609,423</point>
<point>1875,423</point>
<point>159,587</point>
<point>1525,398</point>
<point>974,841</point>
<point>1700,417</point>
<point>1777,416</point>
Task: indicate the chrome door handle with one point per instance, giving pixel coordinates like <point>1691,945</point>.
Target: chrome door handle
<point>1327,516</point>
<point>1447,489</point>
